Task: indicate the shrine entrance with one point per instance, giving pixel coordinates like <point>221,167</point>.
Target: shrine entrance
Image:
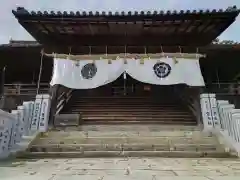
<point>126,86</point>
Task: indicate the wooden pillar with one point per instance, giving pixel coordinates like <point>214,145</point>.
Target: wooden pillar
<point>54,94</point>
<point>2,81</point>
<point>197,92</point>
<point>2,97</point>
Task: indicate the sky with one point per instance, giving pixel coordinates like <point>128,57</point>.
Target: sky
<point>10,29</point>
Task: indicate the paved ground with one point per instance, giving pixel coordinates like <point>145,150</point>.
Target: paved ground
<point>119,169</point>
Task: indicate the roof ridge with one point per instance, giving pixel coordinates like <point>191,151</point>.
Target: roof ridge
<point>23,11</point>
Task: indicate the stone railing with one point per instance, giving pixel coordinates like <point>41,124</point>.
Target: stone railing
<point>21,126</point>
<point>222,118</point>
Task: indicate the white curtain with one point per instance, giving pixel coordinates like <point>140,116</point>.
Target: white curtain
<point>70,73</point>
<point>86,74</point>
<point>167,71</point>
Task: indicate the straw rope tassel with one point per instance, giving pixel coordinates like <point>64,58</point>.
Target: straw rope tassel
<point>109,61</point>
<point>162,55</point>
<point>142,60</point>
<point>125,60</point>
<point>175,60</point>
<point>125,55</point>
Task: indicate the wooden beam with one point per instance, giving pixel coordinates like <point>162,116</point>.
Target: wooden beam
<point>120,40</point>
<point>125,56</point>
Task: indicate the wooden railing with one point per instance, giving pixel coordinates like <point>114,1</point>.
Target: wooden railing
<point>229,88</point>
<point>63,99</point>
<point>14,94</point>
<point>25,89</point>
<point>123,90</point>
<point>225,91</point>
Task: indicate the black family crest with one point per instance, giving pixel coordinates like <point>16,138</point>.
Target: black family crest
<point>162,69</point>
<point>89,71</point>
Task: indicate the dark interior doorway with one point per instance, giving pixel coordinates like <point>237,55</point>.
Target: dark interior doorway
<point>125,85</point>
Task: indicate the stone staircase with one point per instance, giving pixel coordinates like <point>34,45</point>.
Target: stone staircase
<point>126,141</point>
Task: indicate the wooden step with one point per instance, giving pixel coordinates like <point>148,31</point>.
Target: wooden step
<point>125,105</point>
<point>154,100</point>
<point>144,118</point>
<point>128,102</point>
<point>81,111</point>
<point>66,123</point>
<point>135,115</point>
<point>127,110</point>
<point>154,130</point>
<point>161,101</point>
<point>119,122</point>
<point>166,96</point>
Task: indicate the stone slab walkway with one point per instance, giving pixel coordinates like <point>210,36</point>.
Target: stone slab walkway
<point>121,168</point>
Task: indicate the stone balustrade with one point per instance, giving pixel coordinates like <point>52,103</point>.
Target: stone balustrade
<point>221,117</point>
<point>20,127</point>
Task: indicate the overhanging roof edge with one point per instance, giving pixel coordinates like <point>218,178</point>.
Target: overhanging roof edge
<point>209,23</point>
<point>22,12</point>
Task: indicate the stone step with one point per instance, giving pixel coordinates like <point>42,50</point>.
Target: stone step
<point>129,130</point>
<point>131,134</point>
<point>102,154</point>
<point>119,140</point>
<point>123,147</point>
<point>196,135</point>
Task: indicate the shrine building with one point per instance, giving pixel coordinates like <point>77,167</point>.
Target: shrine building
<point>122,67</point>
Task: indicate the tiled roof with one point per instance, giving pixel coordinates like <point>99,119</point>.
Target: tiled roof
<point>15,43</point>
<point>23,43</point>
<point>20,11</point>
<point>184,28</point>
<point>226,43</point>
